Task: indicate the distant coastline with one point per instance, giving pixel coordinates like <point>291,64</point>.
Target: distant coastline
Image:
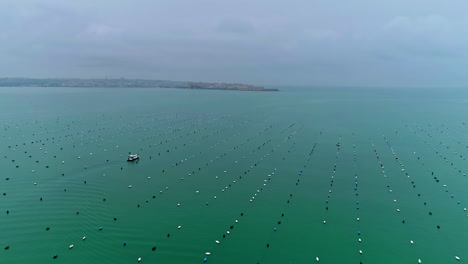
<point>127,83</point>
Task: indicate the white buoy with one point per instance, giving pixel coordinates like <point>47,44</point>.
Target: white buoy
<point>419,261</point>
<point>217,241</point>
<point>457,257</point>
<point>139,259</point>
<point>70,247</point>
<point>84,238</point>
<point>317,259</point>
<point>179,227</point>
<point>411,241</point>
<point>129,186</point>
<point>207,253</point>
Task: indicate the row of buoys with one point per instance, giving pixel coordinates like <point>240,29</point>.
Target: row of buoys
<point>261,159</point>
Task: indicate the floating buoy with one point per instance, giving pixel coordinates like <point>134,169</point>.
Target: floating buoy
<point>207,253</point>
<point>70,247</point>
<point>139,259</point>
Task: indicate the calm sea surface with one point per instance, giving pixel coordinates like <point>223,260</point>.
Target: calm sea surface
<point>342,175</point>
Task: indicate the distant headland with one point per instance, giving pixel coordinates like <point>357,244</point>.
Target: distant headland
<point>127,83</point>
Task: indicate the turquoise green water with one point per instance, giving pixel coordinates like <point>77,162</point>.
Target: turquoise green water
<point>259,172</point>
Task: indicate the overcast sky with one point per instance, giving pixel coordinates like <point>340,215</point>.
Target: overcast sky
<point>265,42</point>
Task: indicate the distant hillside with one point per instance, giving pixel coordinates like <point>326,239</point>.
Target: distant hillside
<point>127,83</point>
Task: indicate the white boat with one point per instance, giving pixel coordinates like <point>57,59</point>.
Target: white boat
<point>133,157</point>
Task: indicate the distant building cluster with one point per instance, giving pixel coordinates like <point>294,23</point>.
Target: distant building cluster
<point>126,83</point>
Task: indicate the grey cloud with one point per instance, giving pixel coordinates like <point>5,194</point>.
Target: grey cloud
<point>298,42</point>
<point>236,27</point>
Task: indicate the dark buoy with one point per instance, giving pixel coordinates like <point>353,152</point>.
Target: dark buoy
<point>47,228</point>
<point>7,247</point>
<point>55,256</point>
<point>153,249</point>
<point>168,235</point>
<point>268,245</point>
